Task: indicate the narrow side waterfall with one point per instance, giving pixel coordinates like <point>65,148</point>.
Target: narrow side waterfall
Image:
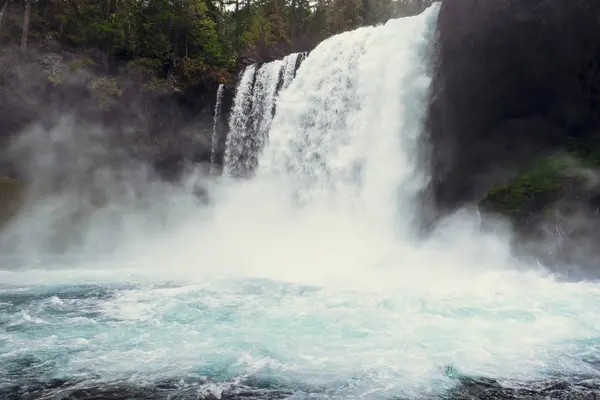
<point>252,113</point>
<point>215,133</point>
<point>290,65</point>
<point>239,118</point>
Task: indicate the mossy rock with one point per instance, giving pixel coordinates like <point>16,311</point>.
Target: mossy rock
<point>547,180</point>
<point>145,68</point>
<point>11,198</point>
<point>533,191</point>
<point>108,89</point>
<point>80,63</point>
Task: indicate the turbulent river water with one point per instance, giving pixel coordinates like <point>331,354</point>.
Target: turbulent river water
<point>307,280</point>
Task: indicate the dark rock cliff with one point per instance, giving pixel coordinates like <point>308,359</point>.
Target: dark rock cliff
<point>514,119</point>
<point>513,77</point>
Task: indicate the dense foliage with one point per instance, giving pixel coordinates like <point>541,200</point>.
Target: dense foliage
<point>204,32</point>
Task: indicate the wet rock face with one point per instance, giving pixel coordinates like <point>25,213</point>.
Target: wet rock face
<point>512,78</point>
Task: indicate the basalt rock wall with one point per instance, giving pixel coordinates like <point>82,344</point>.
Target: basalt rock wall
<point>513,78</point>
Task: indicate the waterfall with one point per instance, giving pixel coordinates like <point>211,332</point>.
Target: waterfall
<point>290,64</point>
<point>303,282</point>
<point>252,113</point>
<point>215,135</point>
<point>345,132</point>
<point>238,120</point>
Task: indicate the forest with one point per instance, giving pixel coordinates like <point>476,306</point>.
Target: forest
<point>206,34</point>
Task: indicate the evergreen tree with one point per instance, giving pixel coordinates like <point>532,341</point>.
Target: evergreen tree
<point>205,33</point>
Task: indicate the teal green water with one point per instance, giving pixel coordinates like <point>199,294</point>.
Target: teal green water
<point>351,343</point>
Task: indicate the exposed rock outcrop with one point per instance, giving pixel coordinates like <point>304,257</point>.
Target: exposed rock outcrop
<point>513,78</point>
<point>514,122</point>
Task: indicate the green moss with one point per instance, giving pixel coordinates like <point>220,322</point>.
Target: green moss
<point>55,80</point>
<point>147,68</point>
<point>108,89</point>
<point>546,180</point>
<point>80,63</point>
<point>534,190</point>
<point>157,83</point>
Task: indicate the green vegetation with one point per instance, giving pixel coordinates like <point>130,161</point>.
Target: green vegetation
<point>533,190</point>
<point>546,181</point>
<point>209,35</point>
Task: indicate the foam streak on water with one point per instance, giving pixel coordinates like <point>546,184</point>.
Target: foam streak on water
<point>306,277</point>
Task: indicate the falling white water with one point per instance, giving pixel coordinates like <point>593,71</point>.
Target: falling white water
<point>346,130</point>
<point>252,113</point>
<point>306,277</point>
<point>238,120</point>
<point>289,69</point>
<point>215,132</point>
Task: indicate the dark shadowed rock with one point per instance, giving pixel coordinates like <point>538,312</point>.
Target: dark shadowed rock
<point>151,119</point>
<point>466,388</point>
<point>513,78</point>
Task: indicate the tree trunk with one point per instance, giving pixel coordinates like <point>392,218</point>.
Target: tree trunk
<point>26,25</point>
<point>238,24</point>
<point>3,12</point>
<point>293,20</point>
